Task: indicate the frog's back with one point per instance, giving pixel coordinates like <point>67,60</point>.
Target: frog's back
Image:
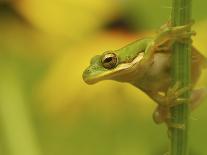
<point>130,51</point>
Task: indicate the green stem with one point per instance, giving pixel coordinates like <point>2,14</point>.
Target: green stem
<point>181,72</point>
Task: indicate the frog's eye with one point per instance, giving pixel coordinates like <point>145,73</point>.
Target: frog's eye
<point>109,60</point>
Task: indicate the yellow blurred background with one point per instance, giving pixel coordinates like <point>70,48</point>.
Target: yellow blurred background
<point>47,109</point>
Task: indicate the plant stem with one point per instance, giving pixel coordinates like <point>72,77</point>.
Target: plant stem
<point>181,72</point>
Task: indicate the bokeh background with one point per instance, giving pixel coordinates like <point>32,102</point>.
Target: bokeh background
<point>47,109</point>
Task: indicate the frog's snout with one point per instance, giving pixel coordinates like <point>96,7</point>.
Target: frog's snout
<point>86,76</point>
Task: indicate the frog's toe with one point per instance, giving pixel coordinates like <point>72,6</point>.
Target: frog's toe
<point>178,101</point>
<point>176,90</point>
<point>174,94</point>
<point>176,126</point>
<point>182,28</point>
<point>181,91</point>
<point>185,37</point>
<point>171,126</point>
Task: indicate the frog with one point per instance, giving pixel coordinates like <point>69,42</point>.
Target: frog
<point>146,64</point>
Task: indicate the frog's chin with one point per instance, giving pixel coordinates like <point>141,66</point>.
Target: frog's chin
<point>107,75</point>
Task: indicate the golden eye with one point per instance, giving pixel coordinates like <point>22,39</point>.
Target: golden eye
<point>109,60</point>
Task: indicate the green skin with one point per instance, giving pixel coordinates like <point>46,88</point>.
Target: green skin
<point>145,64</point>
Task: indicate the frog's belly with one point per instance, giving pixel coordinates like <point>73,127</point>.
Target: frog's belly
<point>157,78</point>
<point>161,64</point>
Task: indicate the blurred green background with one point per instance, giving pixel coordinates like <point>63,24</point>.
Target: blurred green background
<point>47,109</point>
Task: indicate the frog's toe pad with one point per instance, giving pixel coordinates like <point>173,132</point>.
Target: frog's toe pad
<point>176,126</point>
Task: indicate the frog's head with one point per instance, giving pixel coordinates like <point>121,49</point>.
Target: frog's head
<point>115,65</point>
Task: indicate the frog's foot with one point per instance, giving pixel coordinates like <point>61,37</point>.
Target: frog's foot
<point>171,126</point>
<point>185,37</point>
<point>176,125</point>
<point>162,115</point>
<point>173,95</point>
<point>180,32</point>
<point>168,35</point>
<point>167,28</point>
<point>162,112</point>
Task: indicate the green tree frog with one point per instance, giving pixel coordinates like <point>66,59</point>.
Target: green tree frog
<point>146,64</point>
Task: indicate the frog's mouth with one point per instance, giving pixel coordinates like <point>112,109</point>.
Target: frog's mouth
<point>121,72</point>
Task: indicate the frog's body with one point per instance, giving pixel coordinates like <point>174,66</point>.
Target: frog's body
<point>146,64</point>
<point>157,77</point>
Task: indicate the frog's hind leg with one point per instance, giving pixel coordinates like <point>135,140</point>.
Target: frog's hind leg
<point>198,95</point>
<point>162,113</point>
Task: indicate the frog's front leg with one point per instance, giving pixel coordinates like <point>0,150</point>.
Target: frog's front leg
<point>166,37</point>
<point>173,32</point>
